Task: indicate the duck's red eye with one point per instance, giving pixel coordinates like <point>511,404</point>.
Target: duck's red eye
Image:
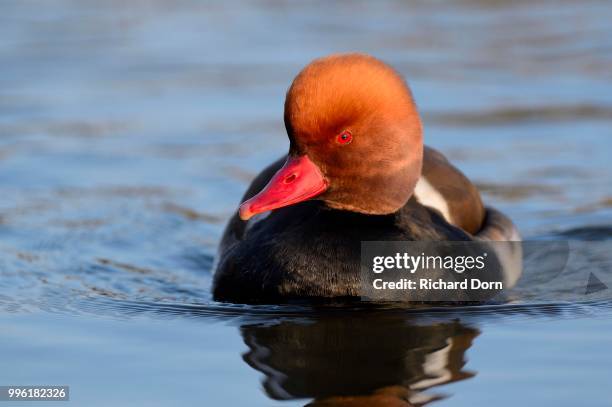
<point>345,137</point>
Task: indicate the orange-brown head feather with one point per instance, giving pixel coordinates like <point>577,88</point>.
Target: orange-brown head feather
<point>377,171</point>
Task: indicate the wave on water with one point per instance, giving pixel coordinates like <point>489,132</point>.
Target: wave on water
<point>121,290</point>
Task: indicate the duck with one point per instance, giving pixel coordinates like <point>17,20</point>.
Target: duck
<point>356,170</point>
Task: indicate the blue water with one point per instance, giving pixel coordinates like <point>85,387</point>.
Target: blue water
<point>129,131</point>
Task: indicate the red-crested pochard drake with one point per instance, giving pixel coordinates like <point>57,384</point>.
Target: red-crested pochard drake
<point>356,171</point>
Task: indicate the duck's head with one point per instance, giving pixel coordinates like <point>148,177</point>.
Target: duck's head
<point>355,139</point>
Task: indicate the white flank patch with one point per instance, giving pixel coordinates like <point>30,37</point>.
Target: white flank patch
<point>427,195</point>
<point>510,256</point>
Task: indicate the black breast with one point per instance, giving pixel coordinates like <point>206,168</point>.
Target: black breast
<point>308,250</point>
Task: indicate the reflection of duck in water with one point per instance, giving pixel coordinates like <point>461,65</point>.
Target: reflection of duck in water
<point>350,361</point>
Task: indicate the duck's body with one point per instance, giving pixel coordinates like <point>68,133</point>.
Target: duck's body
<point>309,250</point>
<point>297,248</point>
